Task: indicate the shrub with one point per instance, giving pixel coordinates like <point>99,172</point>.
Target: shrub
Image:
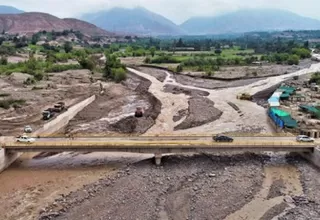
<point>119,74</point>
<point>147,60</point>
<point>179,68</point>
<point>3,60</point>
<point>60,68</point>
<point>164,59</point>
<point>6,104</point>
<point>87,63</point>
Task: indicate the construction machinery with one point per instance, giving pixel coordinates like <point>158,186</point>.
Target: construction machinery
<point>59,107</point>
<point>244,96</point>
<point>48,114</point>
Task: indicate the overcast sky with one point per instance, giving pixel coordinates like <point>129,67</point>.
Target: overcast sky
<point>176,10</point>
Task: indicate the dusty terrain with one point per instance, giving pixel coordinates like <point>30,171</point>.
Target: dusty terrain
<point>199,186</point>
<point>178,190</point>
<point>40,97</point>
<point>113,112</point>
<point>204,186</point>
<point>265,70</point>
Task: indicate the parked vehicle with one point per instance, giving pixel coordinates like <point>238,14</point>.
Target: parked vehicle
<point>25,139</point>
<point>304,138</point>
<point>28,129</point>
<point>222,138</point>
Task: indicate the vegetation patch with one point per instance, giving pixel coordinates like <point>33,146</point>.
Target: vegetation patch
<point>15,103</point>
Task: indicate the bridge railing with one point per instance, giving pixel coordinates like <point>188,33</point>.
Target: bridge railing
<point>118,144</point>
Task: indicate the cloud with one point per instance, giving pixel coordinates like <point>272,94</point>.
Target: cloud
<point>176,10</point>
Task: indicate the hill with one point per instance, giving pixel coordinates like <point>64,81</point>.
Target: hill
<point>33,22</point>
<point>135,21</point>
<point>9,10</point>
<point>250,20</point>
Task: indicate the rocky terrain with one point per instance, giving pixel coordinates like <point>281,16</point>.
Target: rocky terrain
<point>207,188</point>
<point>201,111</point>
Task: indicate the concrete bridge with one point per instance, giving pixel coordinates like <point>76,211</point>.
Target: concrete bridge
<point>162,145</point>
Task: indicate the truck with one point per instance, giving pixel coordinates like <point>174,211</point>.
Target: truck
<point>48,114</point>
<point>59,107</point>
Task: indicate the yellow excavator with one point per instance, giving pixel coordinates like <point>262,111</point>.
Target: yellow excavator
<point>244,96</point>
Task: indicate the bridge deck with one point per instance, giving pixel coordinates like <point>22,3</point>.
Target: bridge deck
<point>157,144</point>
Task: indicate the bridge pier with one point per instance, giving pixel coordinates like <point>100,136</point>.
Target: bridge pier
<point>7,158</point>
<point>158,157</point>
<point>313,157</point>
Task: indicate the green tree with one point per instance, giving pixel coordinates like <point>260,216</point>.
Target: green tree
<point>152,51</point>
<point>180,43</point>
<point>293,60</point>
<point>218,52</point>
<point>35,38</point>
<point>67,47</point>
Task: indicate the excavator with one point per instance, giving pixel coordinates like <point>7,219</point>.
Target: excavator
<point>244,96</point>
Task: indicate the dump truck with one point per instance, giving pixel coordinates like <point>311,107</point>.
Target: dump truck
<point>244,96</point>
<point>59,107</point>
<point>48,114</point>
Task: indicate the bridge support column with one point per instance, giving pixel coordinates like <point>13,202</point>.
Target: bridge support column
<point>313,157</point>
<point>7,158</point>
<point>157,157</point>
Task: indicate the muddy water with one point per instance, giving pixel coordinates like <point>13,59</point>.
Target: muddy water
<point>262,202</point>
<point>28,185</point>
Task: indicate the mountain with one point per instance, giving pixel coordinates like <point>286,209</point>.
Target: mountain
<point>249,20</point>
<point>135,21</point>
<point>9,10</point>
<point>33,22</point>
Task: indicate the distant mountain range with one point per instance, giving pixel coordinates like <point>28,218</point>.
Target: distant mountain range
<point>9,10</point>
<point>140,21</point>
<point>248,21</point>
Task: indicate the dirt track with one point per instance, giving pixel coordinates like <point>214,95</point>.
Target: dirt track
<point>47,93</point>
<point>113,112</point>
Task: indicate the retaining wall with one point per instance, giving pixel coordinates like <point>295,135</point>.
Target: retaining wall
<point>7,158</point>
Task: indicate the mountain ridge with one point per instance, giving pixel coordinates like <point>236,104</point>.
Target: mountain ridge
<point>138,21</point>
<point>5,9</point>
<point>32,22</point>
<point>249,20</point>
